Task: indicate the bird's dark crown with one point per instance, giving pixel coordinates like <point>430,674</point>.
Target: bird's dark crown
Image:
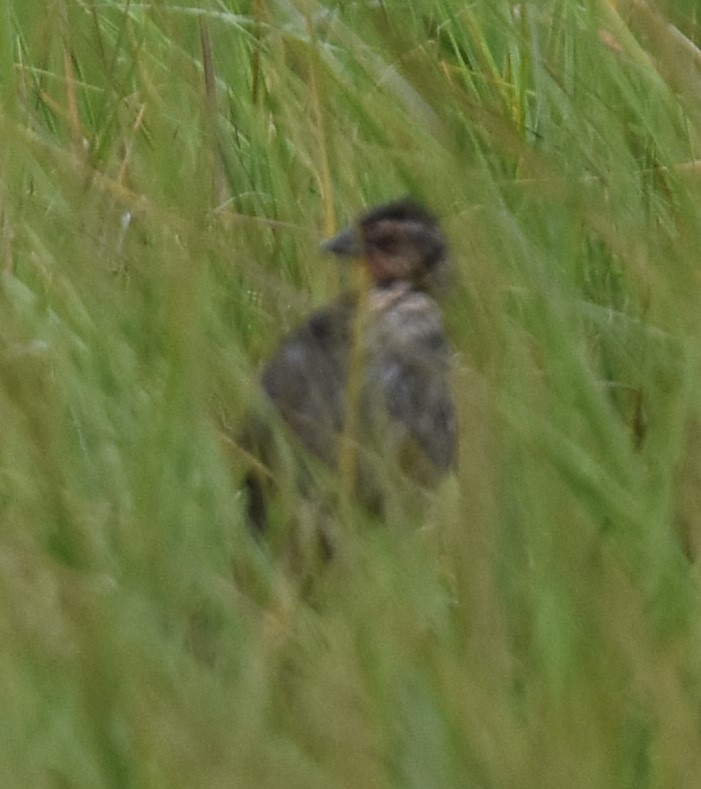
<point>404,210</point>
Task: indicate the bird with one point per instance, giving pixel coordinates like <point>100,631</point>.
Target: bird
<point>362,386</point>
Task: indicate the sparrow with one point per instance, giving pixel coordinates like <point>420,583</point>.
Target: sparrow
<point>363,385</point>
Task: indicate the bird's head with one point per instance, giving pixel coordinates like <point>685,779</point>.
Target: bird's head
<point>399,241</point>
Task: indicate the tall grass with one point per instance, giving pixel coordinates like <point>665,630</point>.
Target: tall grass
<point>166,173</point>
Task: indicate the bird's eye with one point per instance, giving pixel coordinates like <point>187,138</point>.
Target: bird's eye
<point>386,244</point>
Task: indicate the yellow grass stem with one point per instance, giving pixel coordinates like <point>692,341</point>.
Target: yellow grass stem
<point>348,459</point>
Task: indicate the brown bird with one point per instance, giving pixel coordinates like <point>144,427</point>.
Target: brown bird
<point>363,383</point>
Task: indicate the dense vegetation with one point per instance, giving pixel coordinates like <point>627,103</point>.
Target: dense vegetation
<point>166,174</point>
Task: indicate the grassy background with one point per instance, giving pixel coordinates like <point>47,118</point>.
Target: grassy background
<point>166,172</point>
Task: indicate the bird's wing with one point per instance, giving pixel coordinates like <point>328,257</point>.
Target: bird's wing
<point>305,379</point>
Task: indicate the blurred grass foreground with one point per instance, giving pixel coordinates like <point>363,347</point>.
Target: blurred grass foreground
<point>166,173</point>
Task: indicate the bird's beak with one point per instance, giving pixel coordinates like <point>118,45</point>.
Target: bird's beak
<point>345,244</point>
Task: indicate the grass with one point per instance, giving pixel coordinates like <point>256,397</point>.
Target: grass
<point>166,174</point>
